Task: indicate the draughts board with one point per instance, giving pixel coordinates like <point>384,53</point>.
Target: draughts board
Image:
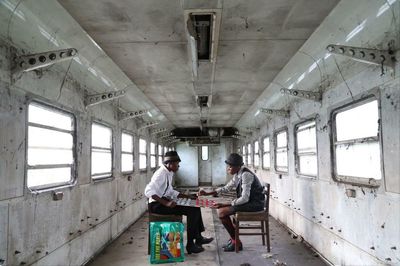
<point>199,202</point>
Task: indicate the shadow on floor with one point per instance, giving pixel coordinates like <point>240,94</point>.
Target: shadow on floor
<point>131,248</point>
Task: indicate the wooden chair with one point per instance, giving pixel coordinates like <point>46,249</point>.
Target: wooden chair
<point>155,217</point>
<point>261,216</point>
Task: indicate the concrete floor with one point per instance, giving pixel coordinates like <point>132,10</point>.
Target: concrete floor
<point>131,248</point>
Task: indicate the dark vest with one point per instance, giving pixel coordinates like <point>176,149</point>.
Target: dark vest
<point>257,196</point>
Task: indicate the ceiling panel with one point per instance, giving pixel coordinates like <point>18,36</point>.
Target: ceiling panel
<point>147,40</point>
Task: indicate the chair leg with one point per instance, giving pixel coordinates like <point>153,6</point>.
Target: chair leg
<point>267,231</point>
<point>263,233</point>
<point>148,240</point>
<point>236,235</point>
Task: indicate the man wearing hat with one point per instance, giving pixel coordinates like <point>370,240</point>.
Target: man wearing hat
<point>161,196</point>
<point>249,196</point>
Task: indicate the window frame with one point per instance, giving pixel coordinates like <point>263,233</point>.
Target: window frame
<point>111,176</point>
<point>146,154</point>
<point>353,180</point>
<point>155,154</point>
<point>275,143</point>
<point>244,153</point>
<point>249,154</point>
<point>133,152</point>
<point>263,153</point>
<point>74,172</point>
<point>208,153</point>
<point>256,154</point>
<point>160,154</point>
<point>296,157</point>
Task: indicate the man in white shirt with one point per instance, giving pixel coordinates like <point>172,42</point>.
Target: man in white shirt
<point>161,196</point>
<point>249,196</point>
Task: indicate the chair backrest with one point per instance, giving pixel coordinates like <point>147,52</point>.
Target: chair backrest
<point>267,191</point>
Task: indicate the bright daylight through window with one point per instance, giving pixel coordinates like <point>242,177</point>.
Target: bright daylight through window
<point>266,154</point>
<point>50,153</point>
<point>126,152</point>
<point>101,151</point>
<point>152,155</point>
<point>204,153</point>
<point>356,140</point>
<point>281,162</point>
<point>306,149</point>
<point>256,154</point>
<point>142,154</point>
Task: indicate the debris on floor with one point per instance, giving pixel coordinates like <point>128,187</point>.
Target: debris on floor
<point>267,255</point>
<point>278,263</point>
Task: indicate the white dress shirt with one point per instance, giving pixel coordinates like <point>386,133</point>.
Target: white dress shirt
<point>161,184</point>
<point>247,179</point>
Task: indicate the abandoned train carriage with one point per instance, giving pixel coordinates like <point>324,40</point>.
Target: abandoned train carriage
<point>93,93</point>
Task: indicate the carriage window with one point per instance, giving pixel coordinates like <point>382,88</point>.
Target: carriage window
<point>50,154</point>
<point>244,154</point>
<point>101,151</point>
<point>160,155</point>
<point>281,151</point>
<point>249,161</point>
<point>152,155</point>
<point>306,149</point>
<point>126,152</point>
<point>204,153</point>
<point>142,154</point>
<point>256,154</point>
<point>356,143</point>
<point>266,154</point>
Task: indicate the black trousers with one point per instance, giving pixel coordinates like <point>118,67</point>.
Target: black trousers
<point>194,220</point>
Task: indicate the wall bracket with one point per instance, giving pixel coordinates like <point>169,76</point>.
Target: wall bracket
<point>165,135</point>
<point>103,97</point>
<point>173,141</point>
<point>132,114</point>
<point>25,63</point>
<point>366,55</point>
<point>283,113</point>
<point>158,130</point>
<point>309,95</point>
<point>148,124</point>
<point>238,137</point>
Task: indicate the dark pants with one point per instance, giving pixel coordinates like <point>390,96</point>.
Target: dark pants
<point>194,220</point>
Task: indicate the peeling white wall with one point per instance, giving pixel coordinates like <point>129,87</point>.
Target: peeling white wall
<point>188,174</point>
<point>189,166</point>
<point>348,231</point>
<point>35,229</point>
<point>363,230</point>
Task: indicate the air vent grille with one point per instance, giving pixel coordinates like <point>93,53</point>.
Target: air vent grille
<point>202,101</point>
<point>202,25</point>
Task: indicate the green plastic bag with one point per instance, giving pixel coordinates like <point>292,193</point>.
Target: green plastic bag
<point>166,239</point>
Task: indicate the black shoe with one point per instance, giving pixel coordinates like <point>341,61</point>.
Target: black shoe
<point>194,249</point>
<point>228,243</point>
<point>204,241</point>
<point>231,247</point>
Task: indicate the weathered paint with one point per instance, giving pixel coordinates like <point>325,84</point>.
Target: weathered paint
<point>347,231</point>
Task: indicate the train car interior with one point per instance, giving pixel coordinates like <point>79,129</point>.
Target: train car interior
<point>99,99</point>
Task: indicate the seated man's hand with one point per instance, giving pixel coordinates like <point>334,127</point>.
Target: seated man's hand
<point>220,205</point>
<point>192,196</point>
<point>171,204</point>
<point>217,205</point>
<point>201,192</point>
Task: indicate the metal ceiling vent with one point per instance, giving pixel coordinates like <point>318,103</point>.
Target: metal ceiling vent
<point>202,101</point>
<point>200,28</point>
